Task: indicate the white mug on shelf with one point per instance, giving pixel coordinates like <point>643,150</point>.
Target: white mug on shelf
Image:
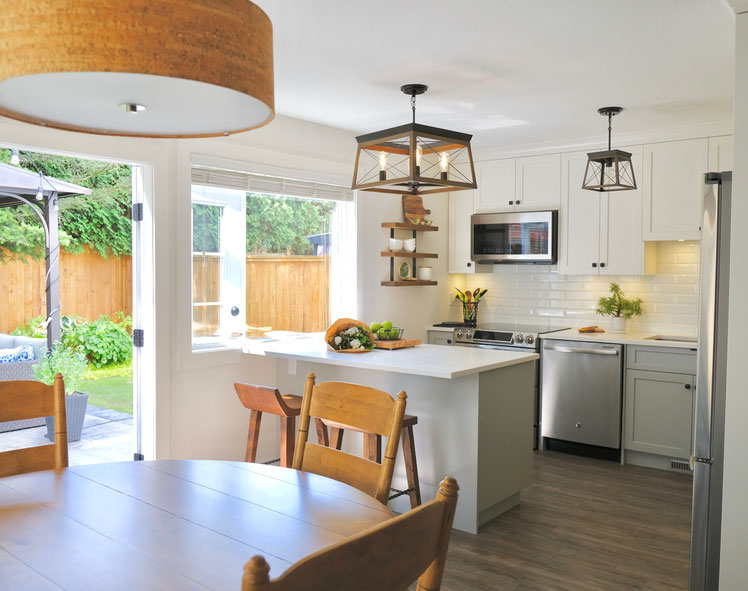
<point>424,273</point>
<point>410,245</point>
<point>396,245</point>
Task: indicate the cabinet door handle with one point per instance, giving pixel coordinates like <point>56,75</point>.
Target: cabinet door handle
<point>594,264</point>
<point>688,386</point>
<point>602,264</point>
<point>511,203</point>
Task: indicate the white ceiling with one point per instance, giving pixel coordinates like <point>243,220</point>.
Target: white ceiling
<point>512,72</point>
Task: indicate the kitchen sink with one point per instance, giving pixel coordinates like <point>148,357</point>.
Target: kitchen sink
<point>679,339</point>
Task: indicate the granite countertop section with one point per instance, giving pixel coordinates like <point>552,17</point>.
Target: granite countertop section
<point>626,338</point>
<point>424,360</point>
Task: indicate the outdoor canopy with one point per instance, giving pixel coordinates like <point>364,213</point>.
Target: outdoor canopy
<point>20,186</point>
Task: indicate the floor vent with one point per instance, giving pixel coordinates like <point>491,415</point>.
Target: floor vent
<point>680,466</point>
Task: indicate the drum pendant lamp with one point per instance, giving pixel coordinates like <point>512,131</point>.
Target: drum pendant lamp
<point>142,68</point>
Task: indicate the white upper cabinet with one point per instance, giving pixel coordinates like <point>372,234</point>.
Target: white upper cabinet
<point>460,210</point>
<point>495,186</point>
<point>720,153</point>
<point>601,233</point>
<point>538,182</point>
<point>672,186</point>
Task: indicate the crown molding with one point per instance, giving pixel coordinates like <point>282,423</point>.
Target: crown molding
<point>737,6</point>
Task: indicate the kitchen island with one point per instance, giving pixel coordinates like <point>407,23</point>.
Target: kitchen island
<point>474,409</point>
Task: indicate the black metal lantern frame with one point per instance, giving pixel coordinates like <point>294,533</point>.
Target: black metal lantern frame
<point>414,158</point>
<point>609,170</point>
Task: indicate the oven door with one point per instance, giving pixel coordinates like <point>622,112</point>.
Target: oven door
<point>528,237</point>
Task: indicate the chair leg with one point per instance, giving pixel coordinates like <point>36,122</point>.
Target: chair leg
<point>322,436</point>
<point>255,418</point>
<point>288,432</point>
<point>336,438</point>
<point>373,447</point>
<point>411,466</point>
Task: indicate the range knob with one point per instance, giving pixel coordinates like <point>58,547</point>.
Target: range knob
<point>459,334</point>
<point>518,338</point>
<point>529,339</point>
<point>468,334</point>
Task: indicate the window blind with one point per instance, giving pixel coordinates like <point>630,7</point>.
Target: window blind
<point>269,185</point>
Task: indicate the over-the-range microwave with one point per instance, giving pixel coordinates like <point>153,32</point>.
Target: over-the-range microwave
<point>523,237</point>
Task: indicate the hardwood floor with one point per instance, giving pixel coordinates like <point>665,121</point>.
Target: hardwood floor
<point>583,525</point>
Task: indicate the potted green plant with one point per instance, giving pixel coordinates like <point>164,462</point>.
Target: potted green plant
<point>71,364</point>
<point>618,308</point>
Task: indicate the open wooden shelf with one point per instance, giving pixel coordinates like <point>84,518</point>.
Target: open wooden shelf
<point>407,226</point>
<point>408,283</point>
<point>410,255</point>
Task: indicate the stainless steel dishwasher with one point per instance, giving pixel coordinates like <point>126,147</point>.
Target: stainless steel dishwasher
<point>581,392</point>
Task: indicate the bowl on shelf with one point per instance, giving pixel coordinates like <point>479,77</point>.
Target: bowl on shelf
<point>409,245</point>
<point>396,245</point>
<point>392,334</point>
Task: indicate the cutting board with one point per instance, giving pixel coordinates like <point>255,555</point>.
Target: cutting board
<point>401,344</point>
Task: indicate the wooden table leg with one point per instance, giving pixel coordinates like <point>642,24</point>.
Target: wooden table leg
<point>411,466</point>
<point>255,418</point>
<point>288,432</point>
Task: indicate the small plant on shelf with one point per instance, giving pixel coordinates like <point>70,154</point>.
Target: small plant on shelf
<point>617,305</point>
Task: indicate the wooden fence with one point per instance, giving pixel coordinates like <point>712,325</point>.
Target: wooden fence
<point>287,293</point>
<point>89,285</point>
<point>284,292</point>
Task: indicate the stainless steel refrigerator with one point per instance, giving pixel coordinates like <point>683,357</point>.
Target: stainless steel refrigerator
<point>709,412</point>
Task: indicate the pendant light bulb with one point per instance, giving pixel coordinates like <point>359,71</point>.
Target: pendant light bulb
<point>419,155</point>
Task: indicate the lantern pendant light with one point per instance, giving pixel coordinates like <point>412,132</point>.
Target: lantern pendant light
<point>414,158</point>
<point>609,170</point>
<point>172,68</point>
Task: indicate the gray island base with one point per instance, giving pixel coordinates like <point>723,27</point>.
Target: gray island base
<point>474,409</point>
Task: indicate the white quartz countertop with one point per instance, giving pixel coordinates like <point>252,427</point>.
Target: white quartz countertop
<point>435,361</point>
<point>626,338</point>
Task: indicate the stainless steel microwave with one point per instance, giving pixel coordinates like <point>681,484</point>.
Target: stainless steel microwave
<point>524,237</point>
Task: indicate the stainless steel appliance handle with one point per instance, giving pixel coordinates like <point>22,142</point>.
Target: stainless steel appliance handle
<point>581,350</point>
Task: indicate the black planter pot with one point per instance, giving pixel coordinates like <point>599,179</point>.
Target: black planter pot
<point>75,412</point>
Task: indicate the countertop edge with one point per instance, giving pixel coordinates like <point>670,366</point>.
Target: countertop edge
<point>616,338</point>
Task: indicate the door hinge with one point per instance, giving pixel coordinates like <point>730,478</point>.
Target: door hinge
<point>138,337</point>
<point>137,212</point>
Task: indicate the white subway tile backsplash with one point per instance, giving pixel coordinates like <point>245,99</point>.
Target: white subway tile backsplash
<point>523,293</point>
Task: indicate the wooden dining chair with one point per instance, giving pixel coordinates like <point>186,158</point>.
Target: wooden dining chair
<point>26,399</point>
<point>390,556</point>
<point>363,408</point>
<point>260,399</point>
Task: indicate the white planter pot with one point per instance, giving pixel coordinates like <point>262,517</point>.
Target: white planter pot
<point>618,324</point>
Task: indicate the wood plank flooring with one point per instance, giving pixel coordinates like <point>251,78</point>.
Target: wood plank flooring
<point>583,525</point>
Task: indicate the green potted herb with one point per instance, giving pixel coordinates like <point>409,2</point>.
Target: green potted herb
<point>618,308</point>
<point>71,364</point>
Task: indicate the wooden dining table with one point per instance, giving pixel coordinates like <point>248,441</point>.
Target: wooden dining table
<point>168,524</point>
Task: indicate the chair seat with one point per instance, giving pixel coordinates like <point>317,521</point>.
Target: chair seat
<point>408,421</point>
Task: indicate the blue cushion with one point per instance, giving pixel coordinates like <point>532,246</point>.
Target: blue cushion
<point>21,353</point>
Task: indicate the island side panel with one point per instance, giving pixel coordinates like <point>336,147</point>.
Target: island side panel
<point>446,436</point>
<point>504,437</point>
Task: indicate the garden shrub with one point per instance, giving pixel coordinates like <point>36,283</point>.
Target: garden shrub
<point>69,362</point>
<point>103,341</point>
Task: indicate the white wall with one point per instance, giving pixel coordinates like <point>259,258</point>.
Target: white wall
<point>197,412</point>
<point>537,293</point>
<point>733,563</point>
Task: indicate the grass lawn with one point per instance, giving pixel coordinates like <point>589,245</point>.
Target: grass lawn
<point>109,387</point>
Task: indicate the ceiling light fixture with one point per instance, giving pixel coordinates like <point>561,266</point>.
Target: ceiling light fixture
<point>187,68</point>
<point>414,158</point>
<point>609,170</point>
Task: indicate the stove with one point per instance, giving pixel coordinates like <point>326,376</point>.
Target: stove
<point>503,336</point>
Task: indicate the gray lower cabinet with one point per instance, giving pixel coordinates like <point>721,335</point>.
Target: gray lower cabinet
<point>659,411</point>
<point>440,337</point>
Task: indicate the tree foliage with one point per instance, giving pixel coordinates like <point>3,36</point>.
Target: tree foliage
<point>100,221</point>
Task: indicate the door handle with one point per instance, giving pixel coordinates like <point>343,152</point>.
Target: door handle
<point>611,352</point>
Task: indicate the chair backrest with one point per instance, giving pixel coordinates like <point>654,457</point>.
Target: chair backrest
<point>361,407</point>
<point>25,399</point>
<point>388,556</point>
<point>263,399</point>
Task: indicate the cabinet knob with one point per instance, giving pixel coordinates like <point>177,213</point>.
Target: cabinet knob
<point>688,386</point>
<point>470,264</point>
<point>517,201</point>
<point>511,203</point>
<point>602,264</point>
<point>578,425</point>
<point>594,264</point>
<point>449,341</point>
